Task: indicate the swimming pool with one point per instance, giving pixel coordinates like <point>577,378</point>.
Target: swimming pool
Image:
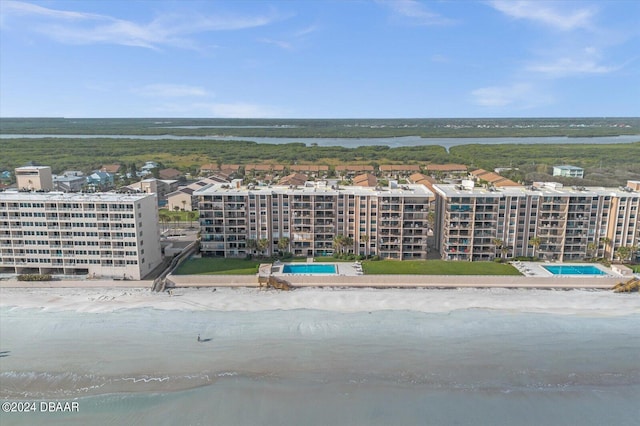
<point>574,270</point>
<point>309,268</point>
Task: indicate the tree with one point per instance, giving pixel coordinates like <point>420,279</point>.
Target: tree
<point>365,239</point>
<point>535,243</point>
<point>252,244</point>
<point>498,243</point>
<point>624,253</point>
<point>165,220</point>
<point>283,244</point>
<point>176,219</point>
<point>591,249</point>
<point>605,241</point>
<point>184,205</point>
<point>192,215</point>
<point>347,243</point>
<point>262,245</point>
<point>338,243</point>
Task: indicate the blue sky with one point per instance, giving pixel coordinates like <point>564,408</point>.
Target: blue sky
<point>319,59</point>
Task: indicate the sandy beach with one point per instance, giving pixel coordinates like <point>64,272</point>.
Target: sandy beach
<point>106,299</point>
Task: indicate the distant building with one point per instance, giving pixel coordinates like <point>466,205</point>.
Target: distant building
<point>68,183</point>
<point>568,171</point>
<point>34,178</point>
<point>98,234</point>
<point>100,179</point>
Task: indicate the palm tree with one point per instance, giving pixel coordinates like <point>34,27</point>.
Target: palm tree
<point>535,242</point>
<point>184,204</point>
<point>498,243</point>
<point>365,239</point>
<point>283,244</point>
<point>591,249</point>
<point>164,219</point>
<point>605,241</point>
<point>348,243</point>
<point>176,219</point>
<point>262,245</point>
<point>252,244</point>
<point>623,253</point>
<point>338,243</point>
<point>192,216</point>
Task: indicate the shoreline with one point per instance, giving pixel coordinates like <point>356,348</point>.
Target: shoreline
<point>342,281</point>
<point>574,301</point>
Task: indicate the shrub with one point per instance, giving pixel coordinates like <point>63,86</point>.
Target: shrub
<point>34,277</point>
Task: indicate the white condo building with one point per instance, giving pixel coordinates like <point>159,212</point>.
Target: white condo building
<point>96,234</point>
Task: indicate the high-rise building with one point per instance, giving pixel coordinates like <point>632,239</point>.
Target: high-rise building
<point>546,221</point>
<point>305,220</point>
<point>97,234</point>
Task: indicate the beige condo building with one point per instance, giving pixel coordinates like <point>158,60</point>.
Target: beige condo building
<point>389,222</point>
<point>546,221</point>
<point>95,234</point>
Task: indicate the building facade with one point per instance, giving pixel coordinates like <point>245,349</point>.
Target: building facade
<point>34,178</point>
<point>99,234</point>
<point>547,221</point>
<point>391,223</point>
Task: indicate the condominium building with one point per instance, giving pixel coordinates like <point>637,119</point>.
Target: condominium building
<point>304,220</point>
<point>98,234</point>
<point>546,221</point>
<point>34,178</point>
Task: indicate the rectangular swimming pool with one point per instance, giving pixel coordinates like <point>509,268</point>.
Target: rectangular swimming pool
<point>309,268</point>
<point>574,270</point>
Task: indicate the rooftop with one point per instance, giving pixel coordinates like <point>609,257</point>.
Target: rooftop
<point>71,196</point>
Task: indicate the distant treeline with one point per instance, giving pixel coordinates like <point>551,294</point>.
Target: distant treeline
<point>309,128</point>
<point>613,162</point>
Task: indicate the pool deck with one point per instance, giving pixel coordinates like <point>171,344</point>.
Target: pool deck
<point>404,281</point>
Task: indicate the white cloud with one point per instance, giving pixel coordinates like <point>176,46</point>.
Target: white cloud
<point>280,43</point>
<point>545,13</point>
<point>164,30</point>
<point>517,95</point>
<point>585,61</point>
<point>415,12</point>
<point>171,91</point>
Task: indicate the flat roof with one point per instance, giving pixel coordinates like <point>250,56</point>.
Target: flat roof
<point>451,190</point>
<point>401,190</point>
<point>72,196</point>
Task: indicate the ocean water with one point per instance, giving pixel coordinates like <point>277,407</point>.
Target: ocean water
<point>316,367</point>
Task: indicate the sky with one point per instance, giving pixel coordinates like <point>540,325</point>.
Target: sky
<point>320,58</point>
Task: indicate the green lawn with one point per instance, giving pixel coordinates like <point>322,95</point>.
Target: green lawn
<point>436,267</point>
<point>218,266</point>
<point>636,268</point>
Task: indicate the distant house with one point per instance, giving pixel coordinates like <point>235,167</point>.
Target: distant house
<point>295,179</point>
<point>69,183</point>
<point>421,179</point>
<point>446,168</point>
<point>160,187</point>
<point>352,169</point>
<point>568,171</point>
<point>169,174</point>
<point>392,170</point>
<point>181,199</point>
<point>309,169</point>
<point>100,179</point>
<point>365,179</point>
<point>111,168</point>
<point>149,165</point>
<point>492,178</point>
